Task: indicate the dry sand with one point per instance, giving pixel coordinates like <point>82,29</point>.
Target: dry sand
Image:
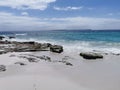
<point>83,75</point>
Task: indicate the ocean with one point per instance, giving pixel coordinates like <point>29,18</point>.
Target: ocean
<point>107,41</point>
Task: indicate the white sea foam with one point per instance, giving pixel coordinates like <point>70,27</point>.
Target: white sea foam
<point>79,46</point>
<point>22,34</point>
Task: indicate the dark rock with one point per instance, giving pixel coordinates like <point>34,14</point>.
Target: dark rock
<point>91,55</point>
<point>31,46</point>
<point>20,63</point>
<point>2,68</point>
<point>41,47</point>
<point>67,63</point>
<point>2,37</point>
<point>45,45</point>
<point>56,48</point>
<point>11,37</point>
<point>30,42</point>
<point>32,59</point>
<point>5,42</point>
<point>46,58</point>
<point>2,52</point>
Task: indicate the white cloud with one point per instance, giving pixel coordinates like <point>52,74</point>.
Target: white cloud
<point>67,8</point>
<point>25,13</point>
<point>26,4</point>
<point>9,21</point>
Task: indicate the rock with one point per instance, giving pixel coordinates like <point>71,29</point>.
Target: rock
<point>2,37</point>
<point>40,47</point>
<point>67,63</point>
<point>32,59</point>
<point>2,68</point>
<point>20,63</point>
<point>56,48</point>
<point>5,42</point>
<point>2,52</point>
<point>11,37</point>
<point>45,46</point>
<point>46,58</point>
<point>29,58</point>
<point>31,46</point>
<point>31,42</point>
<point>91,55</point>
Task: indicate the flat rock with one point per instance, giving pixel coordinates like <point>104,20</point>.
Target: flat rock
<point>91,55</point>
<point>30,46</point>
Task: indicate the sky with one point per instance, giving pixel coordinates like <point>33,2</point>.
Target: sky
<point>59,14</point>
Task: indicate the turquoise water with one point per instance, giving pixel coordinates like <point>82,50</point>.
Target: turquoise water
<point>108,41</point>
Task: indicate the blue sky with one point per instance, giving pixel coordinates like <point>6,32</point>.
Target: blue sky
<point>59,14</point>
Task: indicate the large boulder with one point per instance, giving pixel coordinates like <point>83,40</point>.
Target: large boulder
<point>91,55</point>
<point>2,68</point>
<point>56,48</point>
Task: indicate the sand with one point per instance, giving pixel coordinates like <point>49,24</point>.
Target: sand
<point>100,74</point>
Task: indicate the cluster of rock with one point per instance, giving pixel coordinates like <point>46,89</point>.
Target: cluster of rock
<point>35,59</point>
<point>14,46</point>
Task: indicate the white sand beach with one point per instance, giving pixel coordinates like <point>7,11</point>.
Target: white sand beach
<point>59,44</point>
<point>98,74</point>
